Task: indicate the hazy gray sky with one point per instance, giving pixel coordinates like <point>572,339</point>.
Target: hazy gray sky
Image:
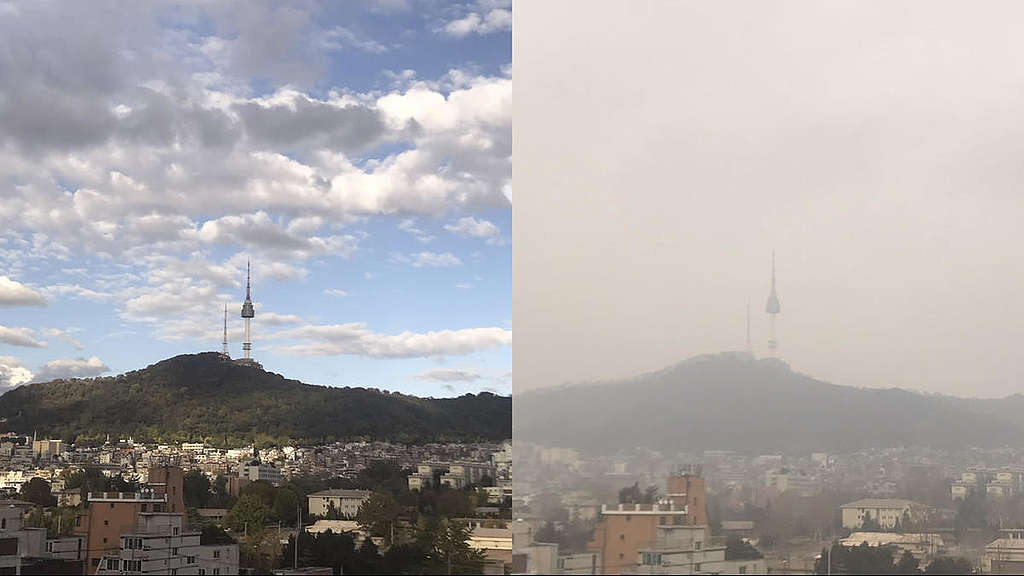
<point>663,149</point>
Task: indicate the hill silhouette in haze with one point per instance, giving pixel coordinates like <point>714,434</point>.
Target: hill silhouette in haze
<point>207,397</point>
<point>732,401</point>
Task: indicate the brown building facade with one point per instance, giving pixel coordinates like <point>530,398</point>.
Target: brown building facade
<point>626,528</point>
<point>107,515</point>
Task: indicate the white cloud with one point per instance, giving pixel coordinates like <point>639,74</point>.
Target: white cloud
<point>76,291</point>
<point>71,368</point>
<point>63,336</point>
<point>495,20</point>
<point>434,260</point>
<point>356,339</point>
<point>340,38</point>
<point>469,227</point>
<point>408,225</point>
<point>19,337</point>
<point>448,375</point>
<point>275,319</point>
<point>335,292</point>
<point>14,293</point>
<point>12,372</point>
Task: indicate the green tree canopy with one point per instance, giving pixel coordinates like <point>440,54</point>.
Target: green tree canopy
<point>195,489</point>
<point>378,514</point>
<point>247,515</point>
<point>37,491</point>
<point>950,565</point>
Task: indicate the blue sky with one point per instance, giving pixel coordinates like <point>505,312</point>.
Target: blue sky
<point>358,153</point>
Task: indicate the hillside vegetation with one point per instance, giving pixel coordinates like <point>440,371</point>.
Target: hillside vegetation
<point>206,397</point>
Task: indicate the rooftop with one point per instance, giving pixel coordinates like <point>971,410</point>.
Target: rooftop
<point>339,493</point>
<point>881,503</point>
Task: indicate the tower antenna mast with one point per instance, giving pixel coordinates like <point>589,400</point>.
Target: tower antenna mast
<point>772,308</point>
<point>247,313</point>
<point>226,329</point>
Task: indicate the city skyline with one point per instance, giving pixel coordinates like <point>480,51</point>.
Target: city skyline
<point>357,154</point>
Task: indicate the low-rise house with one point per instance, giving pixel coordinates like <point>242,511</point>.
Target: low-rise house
<point>923,546</point>
<point>1005,554</point>
<point>496,546</point>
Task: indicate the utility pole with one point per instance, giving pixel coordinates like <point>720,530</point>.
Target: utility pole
<point>298,527</point>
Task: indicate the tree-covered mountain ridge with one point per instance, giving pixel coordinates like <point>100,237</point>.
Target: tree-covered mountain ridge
<point>208,397</point>
<point>733,401</point>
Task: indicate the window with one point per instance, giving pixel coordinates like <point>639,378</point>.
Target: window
<point>106,522</point>
<point>677,521</point>
<point>176,530</point>
<point>190,560</point>
<point>3,523</point>
<point>202,571</point>
<point>111,504</point>
<point>145,507</point>
<point>216,570</point>
<point>696,567</point>
<point>104,540</point>
<point>662,521</point>
<point>216,553</point>
<point>112,563</point>
<point>743,569</point>
<point>696,545</point>
<point>174,552</point>
<point>622,536</point>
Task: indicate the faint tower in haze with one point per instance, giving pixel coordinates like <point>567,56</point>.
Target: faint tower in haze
<point>750,348</point>
<point>772,308</point>
<point>248,314</point>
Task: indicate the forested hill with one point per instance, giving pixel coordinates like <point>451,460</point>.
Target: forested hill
<point>735,402</point>
<point>207,397</point>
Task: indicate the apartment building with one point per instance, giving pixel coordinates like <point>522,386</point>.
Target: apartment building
<point>344,502</point>
<point>256,470</point>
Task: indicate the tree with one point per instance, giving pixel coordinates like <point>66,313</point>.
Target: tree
<point>378,514</point>
<point>286,503</point>
<point>950,565</point>
<point>121,484</point>
<point>37,491</point>
<point>88,479</point>
<point>908,564</point>
<point>195,489</point>
<point>869,524</point>
<point>634,495</point>
<point>861,559</point>
<point>737,548</point>
<point>247,515</point>
<point>445,545</point>
<point>212,535</point>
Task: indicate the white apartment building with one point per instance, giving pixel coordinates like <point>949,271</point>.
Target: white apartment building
<point>345,502</point>
<point>581,563</point>
<point>17,541</point>
<point>255,470</point>
<point>792,481</point>
<point>887,512</point>
<point>218,559</point>
<point>685,550</point>
<point>159,545</point>
<point>462,474</point>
